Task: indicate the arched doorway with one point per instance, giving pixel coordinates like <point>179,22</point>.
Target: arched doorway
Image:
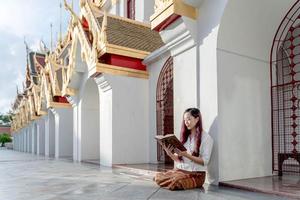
<point>285,93</point>
<point>164,107</point>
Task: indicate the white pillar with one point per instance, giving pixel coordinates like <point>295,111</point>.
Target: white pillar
<point>56,133</point>
<point>52,130</point>
<point>47,135</point>
<point>33,138</point>
<point>29,138</point>
<point>19,141</point>
<point>24,139</point>
<point>79,131</point>
<point>40,130</point>
<point>106,132</point>
<point>74,102</point>
<point>75,133</point>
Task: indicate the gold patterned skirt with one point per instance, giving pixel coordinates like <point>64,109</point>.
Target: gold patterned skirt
<point>178,179</point>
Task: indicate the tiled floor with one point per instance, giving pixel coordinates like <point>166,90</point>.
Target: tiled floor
<point>29,177</point>
<point>287,185</point>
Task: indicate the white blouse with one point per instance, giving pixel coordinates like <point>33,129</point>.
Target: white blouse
<point>204,153</point>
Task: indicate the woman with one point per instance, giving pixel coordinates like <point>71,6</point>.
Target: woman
<point>189,166</point>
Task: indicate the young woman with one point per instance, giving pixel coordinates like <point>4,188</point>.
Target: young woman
<point>189,166</point>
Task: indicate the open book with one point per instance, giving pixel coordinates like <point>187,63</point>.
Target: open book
<point>170,139</point>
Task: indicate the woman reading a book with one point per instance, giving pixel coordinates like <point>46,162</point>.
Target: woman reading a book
<point>190,165</point>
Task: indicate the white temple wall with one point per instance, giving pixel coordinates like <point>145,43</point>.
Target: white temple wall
<point>244,45</point>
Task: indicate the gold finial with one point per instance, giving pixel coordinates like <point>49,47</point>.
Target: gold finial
<point>67,7</point>
<point>51,39</point>
<point>60,22</point>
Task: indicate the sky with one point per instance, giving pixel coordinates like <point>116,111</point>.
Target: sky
<point>31,20</point>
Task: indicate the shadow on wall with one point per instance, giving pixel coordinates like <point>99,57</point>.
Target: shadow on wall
<point>213,166</point>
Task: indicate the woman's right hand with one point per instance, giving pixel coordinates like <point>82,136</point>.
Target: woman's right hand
<point>169,149</point>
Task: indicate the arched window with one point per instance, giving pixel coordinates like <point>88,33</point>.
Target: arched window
<point>285,93</point>
<point>131,9</point>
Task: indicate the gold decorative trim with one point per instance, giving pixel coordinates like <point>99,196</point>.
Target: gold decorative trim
<point>60,105</point>
<point>122,71</point>
<point>165,9</point>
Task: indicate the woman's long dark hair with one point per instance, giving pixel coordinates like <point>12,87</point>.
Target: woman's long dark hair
<point>184,134</point>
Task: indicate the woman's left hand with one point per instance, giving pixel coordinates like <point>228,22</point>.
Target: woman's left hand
<point>181,153</point>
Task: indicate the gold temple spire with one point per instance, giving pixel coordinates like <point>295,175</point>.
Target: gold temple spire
<point>60,23</point>
<point>51,37</point>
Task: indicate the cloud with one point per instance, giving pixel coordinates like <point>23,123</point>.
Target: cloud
<point>18,19</point>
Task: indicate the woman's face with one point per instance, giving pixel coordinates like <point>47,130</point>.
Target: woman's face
<point>190,121</point>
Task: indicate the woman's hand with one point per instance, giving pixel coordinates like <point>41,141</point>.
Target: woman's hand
<point>181,153</point>
<point>169,150</point>
<point>195,159</point>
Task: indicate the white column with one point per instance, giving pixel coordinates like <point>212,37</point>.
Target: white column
<point>28,139</point>
<point>37,138</point>
<point>24,139</point>
<point>106,132</point>
<point>33,139</point>
<point>41,136</point>
<point>56,133</point>
<point>74,102</point>
<point>13,134</point>
<point>79,131</point>
<point>20,141</point>
<point>75,133</point>
<point>47,145</point>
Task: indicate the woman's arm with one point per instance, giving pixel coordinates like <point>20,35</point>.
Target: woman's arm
<point>199,160</point>
<point>204,158</point>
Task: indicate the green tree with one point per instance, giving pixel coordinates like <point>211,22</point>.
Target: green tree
<point>5,119</point>
<point>4,138</point>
